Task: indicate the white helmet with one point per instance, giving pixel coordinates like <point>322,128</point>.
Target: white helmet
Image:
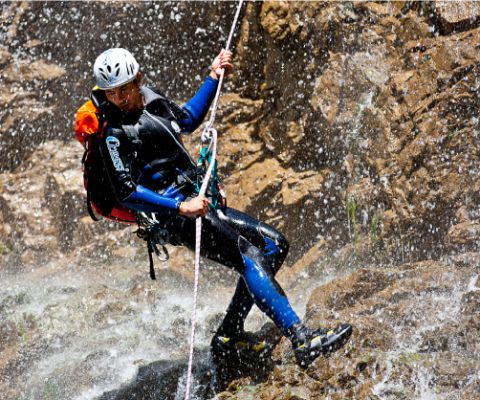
<point>114,68</point>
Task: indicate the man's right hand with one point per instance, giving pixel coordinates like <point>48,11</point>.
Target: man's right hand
<point>196,207</point>
<point>222,61</point>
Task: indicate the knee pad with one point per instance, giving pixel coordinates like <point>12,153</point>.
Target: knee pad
<point>276,246</point>
<point>254,258</point>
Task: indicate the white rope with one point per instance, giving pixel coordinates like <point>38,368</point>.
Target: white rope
<point>198,226</point>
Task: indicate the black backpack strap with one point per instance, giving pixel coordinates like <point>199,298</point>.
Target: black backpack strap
<point>150,258</point>
<point>84,157</point>
<point>174,109</point>
<point>145,234</point>
<point>132,134</point>
<point>89,207</point>
<point>89,196</point>
<point>178,112</point>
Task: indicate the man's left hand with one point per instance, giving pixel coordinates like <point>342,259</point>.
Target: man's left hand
<point>194,208</point>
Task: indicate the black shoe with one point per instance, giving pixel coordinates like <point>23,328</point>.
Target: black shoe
<point>309,343</point>
<point>242,344</point>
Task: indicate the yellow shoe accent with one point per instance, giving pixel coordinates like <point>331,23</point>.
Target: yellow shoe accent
<point>258,347</point>
<point>314,340</point>
<point>241,345</point>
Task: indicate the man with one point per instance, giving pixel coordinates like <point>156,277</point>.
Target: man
<point>152,173</point>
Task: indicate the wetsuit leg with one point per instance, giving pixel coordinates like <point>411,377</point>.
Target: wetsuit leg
<point>222,243</point>
<point>273,243</point>
<point>274,247</point>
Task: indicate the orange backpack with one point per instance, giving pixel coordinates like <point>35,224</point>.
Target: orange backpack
<point>89,126</point>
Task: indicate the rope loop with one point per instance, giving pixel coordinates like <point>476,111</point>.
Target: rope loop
<point>208,134</point>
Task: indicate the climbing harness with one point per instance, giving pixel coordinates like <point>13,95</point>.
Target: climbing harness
<point>211,133</point>
<point>155,236</point>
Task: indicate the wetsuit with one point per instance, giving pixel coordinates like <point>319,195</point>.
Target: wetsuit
<point>150,171</point>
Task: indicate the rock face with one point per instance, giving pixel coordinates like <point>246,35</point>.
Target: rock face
<point>411,325</point>
<point>351,126</point>
<point>368,132</point>
<point>383,117</point>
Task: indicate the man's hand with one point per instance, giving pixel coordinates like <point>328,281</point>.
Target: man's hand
<point>196,207</point>
<point>222,61</point>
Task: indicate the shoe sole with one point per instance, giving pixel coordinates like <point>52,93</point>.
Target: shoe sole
<point>335,340</point>
<point>239,349</point>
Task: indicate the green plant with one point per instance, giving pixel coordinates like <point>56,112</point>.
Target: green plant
<point>375,225</point>
<point>353,228</point>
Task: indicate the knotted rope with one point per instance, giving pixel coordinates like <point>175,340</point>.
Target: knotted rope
<point>209,132</point>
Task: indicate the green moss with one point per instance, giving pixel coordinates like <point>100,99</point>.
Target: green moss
<point>4,249</point>
<point>51,391</point>
<point>413,359</point>
<point>245,392</point>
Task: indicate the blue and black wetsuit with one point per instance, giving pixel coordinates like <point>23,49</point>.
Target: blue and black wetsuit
<point>144,156</point>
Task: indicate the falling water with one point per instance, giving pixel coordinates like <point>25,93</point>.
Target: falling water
<point>351,126</point>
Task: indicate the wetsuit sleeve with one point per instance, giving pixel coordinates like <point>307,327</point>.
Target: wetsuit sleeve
<point>197,107</point>
<point>143,199</point>
<point>136,197</point>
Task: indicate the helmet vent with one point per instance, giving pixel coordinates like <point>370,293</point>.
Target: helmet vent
<point>109,68</point>
<point>117,72</point>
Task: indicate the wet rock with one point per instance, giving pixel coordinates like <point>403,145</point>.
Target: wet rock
<point>457,16</point>
<point>163,380</point>
<point>464,233</point>
<point>109,313</point>
<point>48,197</point>
<point>343,294</point>
<point>435,341</point>
<point>65,199</point>
<point>8,334</point>
<point>5,57</point>
<point>147,386</point>
<point>389,309</point>
<point>27,103</point>
<point>24,71</point>
<point>277,20</point>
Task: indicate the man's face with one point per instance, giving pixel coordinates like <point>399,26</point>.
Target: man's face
<point>127,97</point>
